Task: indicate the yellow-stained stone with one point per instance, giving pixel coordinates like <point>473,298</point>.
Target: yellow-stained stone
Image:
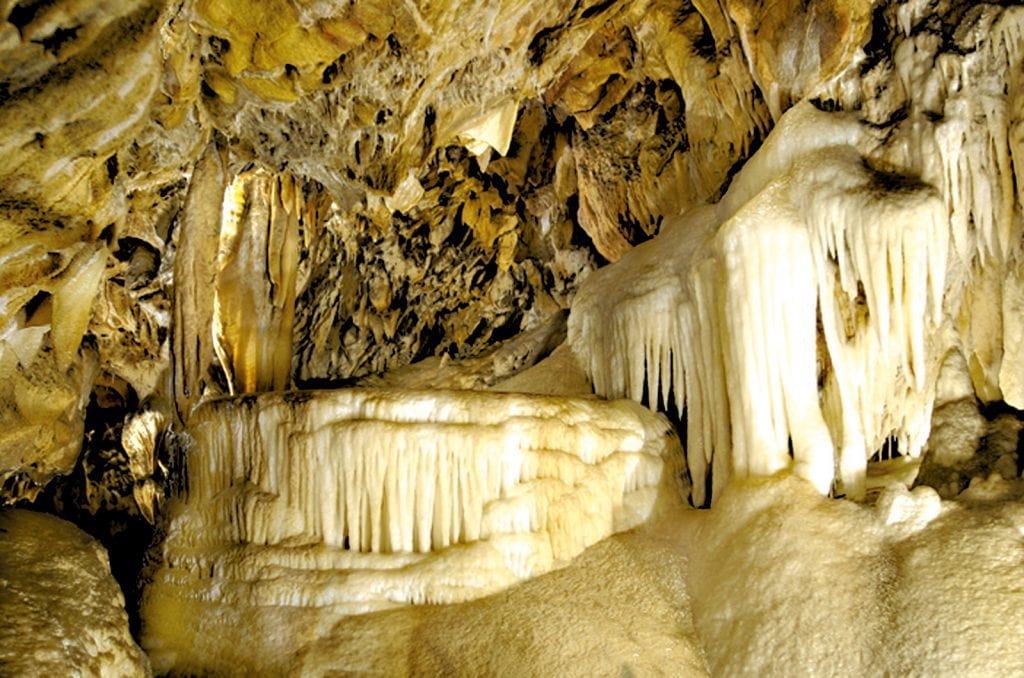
<point>62,608</point>
<point>269,89</point>
<point>795,47</point>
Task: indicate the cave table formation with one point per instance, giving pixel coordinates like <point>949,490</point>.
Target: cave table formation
<point>630,337</point>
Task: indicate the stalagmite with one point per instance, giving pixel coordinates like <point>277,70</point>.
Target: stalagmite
<point>909,586</point>
<point>356,500</point>
<point>62,610</point>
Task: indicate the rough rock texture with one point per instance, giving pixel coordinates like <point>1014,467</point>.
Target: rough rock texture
<point>423,182</point>
<point>210,197</point>
<point>79,274</point>
<point>62,610</point>
<point>796,47</point>
<point>305,195</point>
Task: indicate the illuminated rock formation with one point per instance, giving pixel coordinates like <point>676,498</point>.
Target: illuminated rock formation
<point>317,505</point>
<point>809,240</point>
<point>818,284</point>
<point>809,219</point>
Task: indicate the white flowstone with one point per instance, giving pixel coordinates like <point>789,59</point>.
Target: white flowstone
<point>786,582</point>
<point>315,505</point>
<point>724,307</point>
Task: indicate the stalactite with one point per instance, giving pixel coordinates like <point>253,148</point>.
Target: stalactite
<point>731,324</point>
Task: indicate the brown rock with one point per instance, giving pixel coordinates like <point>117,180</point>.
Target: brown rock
<point>795,47</point>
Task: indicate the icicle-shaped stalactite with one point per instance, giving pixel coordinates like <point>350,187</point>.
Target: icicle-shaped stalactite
<point>238,261</point>
<point>408,471</point>
<point>952,110</point>
<point>725,305</point>
<point>362,499</point>
<point>195,269</point>
<point>880,246</point>
<point>979,146</point>
<point>262,219</point>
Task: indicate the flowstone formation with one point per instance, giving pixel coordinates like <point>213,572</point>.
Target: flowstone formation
<point>317,298</point>
<point>306,507</point>
<point>889,585</point>
<point>803,318</point>
<point>810,240</point>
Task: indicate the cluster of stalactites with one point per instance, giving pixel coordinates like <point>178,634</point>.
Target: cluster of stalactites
<point>952,109</point>
<point>976,161</point>
<point>416,472</point>
<point>723,309</point>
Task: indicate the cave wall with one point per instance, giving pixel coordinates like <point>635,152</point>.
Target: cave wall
<point>381,185</point>
<point>433,180</point>
<point>209,197</point>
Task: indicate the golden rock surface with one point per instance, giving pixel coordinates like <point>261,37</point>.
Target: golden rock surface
<point>795,47</point>
<point>62,609</point>
<point>204,197</point>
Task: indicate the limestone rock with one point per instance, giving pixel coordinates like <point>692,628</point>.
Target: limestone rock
<point>61,126</point>
<point>557,374</point>
<point>794,48</point>
<point>637,622</point>
<point>309,506</point>
<point>920,127</point>
<point>62,610</point>
<point>447,181</point>
<point>42,420</point>
<point>201,198</point>
<point>77,81</point>
<point>965,447</point>
<point>492,367</point>
<point>460,271</point>
<point>898,579</point>
<point>673,314</point>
